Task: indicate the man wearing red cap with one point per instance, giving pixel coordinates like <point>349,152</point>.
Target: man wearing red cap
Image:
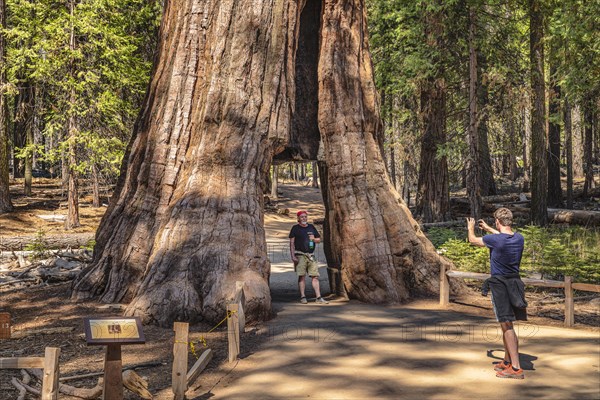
<point>303,239</point>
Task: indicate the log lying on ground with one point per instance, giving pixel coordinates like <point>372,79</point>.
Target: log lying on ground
<point>576,217</point>
<point>84,255</point>
<point>72,240</point>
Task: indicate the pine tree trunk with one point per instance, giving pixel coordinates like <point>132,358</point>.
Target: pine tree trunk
<point>315,175</point>
<point>472,167</point>
<point>569,150</point>
<point>433,198</point>
<point>186,220</point>
<point>539,145</point>
<point>5,202</point>
<point>95,187</point>
<point>383,255</point>
<point>28,177</point>
<point>72,220</point>
<point>554,183</point>
<point>526,138</point>
<point>588,145</point>
<point>275,182</point>
<point>577,142</point>
<point>488,185</point>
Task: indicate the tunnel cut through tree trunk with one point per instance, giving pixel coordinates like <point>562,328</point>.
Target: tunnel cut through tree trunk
<point>186,220</point>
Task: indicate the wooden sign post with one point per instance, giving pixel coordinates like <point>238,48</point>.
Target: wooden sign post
<point>5,325</point>
<point>113,332</point>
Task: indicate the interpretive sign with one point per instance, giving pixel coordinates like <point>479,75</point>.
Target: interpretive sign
<point>4,325</point>
<point>113,330</point>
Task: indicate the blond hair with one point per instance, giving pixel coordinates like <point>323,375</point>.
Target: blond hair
<point>504,216</point>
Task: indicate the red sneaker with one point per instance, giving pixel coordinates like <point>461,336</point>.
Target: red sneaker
<point>501,366</point>
<point>511,373</point>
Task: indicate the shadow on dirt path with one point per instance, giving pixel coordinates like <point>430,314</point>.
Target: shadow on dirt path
<point>349,350</point>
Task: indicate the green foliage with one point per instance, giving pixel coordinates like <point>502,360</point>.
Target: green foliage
<point>90,245</point>
<point>439,236</point>
<point>553,252</point>
<point>466,257</point>
<point>39,246</point>
<point>559,251</point>
<point>89,63</point>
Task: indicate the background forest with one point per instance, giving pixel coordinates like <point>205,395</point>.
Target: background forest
<point>478,98</point>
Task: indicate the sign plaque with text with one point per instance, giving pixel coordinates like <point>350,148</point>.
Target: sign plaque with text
<point>4,325</point>
<point>113,330</point>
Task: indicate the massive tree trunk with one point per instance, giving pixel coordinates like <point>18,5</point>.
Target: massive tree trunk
<point>539,144</point>
<point>384,256</point>
<point>186,220</point>
<point>5,202</point>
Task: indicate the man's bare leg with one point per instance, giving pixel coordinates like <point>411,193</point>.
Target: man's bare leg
<point>506,355</point>
<point>302,286</point>
<point>511,343</point>
<point>315,285</point>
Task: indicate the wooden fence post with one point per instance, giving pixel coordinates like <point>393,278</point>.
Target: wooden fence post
<point>569,303</point>
<point>240,300</point>
<point>444,287</point>
<point>233,331</point>
<point>180,360</point>
<point>51,369</point>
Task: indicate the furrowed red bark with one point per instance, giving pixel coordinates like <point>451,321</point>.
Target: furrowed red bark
<point>186,220</point>
<point>384,256</point>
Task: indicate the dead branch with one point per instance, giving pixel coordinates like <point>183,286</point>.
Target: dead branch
<point>20,387</point>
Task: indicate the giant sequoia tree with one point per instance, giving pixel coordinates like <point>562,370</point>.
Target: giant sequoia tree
<point>186,220</point>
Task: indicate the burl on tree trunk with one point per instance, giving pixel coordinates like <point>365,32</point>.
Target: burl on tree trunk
<point>186,220</point>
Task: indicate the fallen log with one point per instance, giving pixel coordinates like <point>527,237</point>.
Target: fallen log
<point>70,240</point>
<point>20,387</point>
<point>80,375</point>
<point>444,224</point>
<point>82,393</point>
<point>83,255</point>
<point>576,217</point>
<point>12,282</point>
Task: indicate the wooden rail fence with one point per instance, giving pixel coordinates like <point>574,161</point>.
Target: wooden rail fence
<point>181,377</point>
<point>568,285</point>
<point>49,363</point>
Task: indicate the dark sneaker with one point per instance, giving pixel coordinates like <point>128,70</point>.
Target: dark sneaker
<point>511,373</point>
<point>303,300</point>
<point>500,366</point>
<point>321,300</point>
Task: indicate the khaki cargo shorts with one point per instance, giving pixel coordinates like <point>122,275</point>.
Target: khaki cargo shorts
<point>307,264</point>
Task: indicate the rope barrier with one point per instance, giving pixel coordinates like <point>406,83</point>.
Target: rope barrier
<point>192,344</point>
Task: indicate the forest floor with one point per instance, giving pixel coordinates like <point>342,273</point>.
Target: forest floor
<point>343,350</point>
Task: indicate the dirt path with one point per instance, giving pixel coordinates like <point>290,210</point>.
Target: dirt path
<point>349,350</point>
<point>344,350</point>
<point>357,351</point>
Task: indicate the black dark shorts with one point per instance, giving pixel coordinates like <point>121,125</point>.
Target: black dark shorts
<point>515,314</point>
